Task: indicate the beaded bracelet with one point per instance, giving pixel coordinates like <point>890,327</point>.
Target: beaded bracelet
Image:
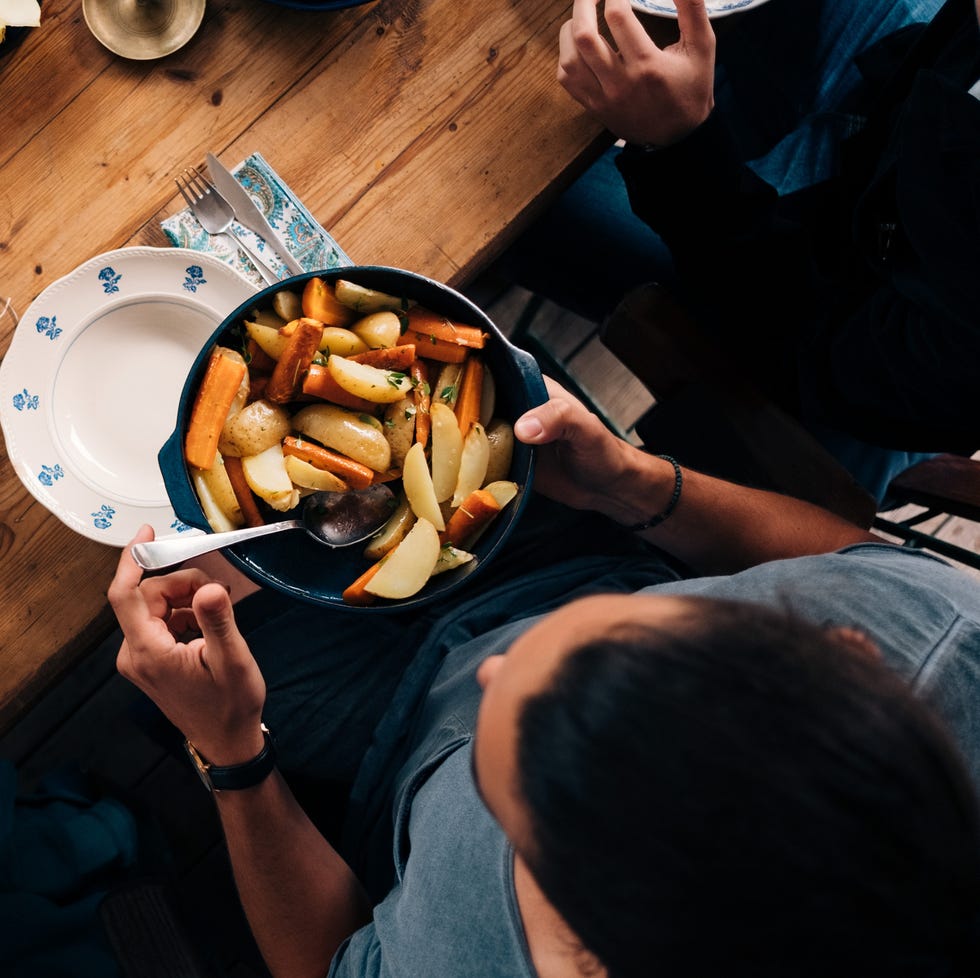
<point>660,517</point>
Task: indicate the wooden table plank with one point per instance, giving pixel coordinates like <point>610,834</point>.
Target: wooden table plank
<point>421,133</point>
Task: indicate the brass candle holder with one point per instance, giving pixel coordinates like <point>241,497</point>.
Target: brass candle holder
<point>143,29</point>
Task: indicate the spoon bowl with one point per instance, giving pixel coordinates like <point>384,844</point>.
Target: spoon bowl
<point>337,519</point>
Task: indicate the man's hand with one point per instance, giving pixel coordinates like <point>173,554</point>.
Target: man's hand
<point>579,458</point>
<point>183,649</point>
<point>641,93</point>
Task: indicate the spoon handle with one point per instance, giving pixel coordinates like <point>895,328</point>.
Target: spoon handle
<point>158,554</point>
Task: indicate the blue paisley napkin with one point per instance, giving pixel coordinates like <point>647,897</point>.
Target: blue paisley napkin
<point>310,244</point>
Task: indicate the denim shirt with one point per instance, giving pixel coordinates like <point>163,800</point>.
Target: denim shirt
<point>452,910</point>
<point>922,613</point>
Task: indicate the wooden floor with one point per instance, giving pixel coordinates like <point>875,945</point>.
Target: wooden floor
<point>96,723</point>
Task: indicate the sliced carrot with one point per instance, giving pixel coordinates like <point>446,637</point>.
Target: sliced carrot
<point>389,358</point>
<point>470,395</point>
<point>287,329</point>
<point>243,491</point>
<point>287,379</point>
<point>476,511</point>
<point>433,348</point>
<point>428,323</point>
<point>319,382</point>
<point>320,302</point>
<point>422,395</point>
<point>389,476</point>
<point>357,476</point>
<point>355,593</point>
<point>221,381</point>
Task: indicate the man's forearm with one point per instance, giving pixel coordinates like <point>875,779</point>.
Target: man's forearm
<point>301,899</point>
<point>720,527</point>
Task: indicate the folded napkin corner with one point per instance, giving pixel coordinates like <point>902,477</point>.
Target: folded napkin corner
<point>311,245</point>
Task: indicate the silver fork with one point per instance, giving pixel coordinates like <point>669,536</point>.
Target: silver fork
<point>215,215</point>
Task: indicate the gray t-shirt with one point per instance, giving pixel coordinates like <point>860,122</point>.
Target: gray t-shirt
<point>452,911</point>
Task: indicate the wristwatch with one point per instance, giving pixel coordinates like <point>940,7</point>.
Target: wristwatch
<point>234,777</point>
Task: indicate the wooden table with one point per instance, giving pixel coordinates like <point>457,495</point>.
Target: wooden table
<point>422,133</point>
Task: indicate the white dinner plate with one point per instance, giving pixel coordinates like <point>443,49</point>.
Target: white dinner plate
<point>90,385</point>
<point>716,8</point>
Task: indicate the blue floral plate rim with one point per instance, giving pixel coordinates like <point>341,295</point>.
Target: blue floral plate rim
<point>318,4</point>
<point>90,384</point>
<point>716,8</point>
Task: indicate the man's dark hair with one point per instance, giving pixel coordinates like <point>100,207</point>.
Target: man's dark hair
<point>738,793</point>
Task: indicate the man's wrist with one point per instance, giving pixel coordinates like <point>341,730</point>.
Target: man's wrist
<point>661,516</point>
<point>647,487</point>
<point>245,773</point>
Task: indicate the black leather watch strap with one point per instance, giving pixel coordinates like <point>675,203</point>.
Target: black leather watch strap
<point>234,777</point>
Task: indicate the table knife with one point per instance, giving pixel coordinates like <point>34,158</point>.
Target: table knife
<point>248,213</point>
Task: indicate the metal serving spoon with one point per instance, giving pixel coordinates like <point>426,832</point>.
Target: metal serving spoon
<point>337,519</point>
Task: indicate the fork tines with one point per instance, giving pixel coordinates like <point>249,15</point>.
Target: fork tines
<point>194,187</point>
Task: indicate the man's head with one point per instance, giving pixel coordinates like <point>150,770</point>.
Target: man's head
<point>704,787</point>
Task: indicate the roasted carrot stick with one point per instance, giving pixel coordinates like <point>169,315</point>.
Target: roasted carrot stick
<point>221,381</point>
<point>319,382</point>
<point>470,395</point>
<point>243,491</point>
<point>357,476</point>
<point>433,348</point>
<point>287,378</point>
<point>477,509</point>
<point>320,302</point>
<point>355,593</point>
<point>422,395</point>
<point>389,358</point>
<point>428,323</point>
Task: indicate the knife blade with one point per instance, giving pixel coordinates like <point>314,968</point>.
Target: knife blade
<point>248,213</point>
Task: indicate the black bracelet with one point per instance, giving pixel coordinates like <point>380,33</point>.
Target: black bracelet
<point>660,517</point>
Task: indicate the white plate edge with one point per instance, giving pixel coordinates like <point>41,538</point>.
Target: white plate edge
<point>119,532</point>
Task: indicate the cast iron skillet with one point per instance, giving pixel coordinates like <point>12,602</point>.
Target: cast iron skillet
<point>295,564</point>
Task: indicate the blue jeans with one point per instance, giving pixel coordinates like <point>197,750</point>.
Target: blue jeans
<point>785,81</point>
<point>785,105</point>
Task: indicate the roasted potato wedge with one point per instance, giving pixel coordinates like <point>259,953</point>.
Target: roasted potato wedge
<point>371,383</point>
<point>409,565</point>
<point>503,490</point>
<point>364,300</point>
<point>399,429</point>
<point>393,532</point>
<point>287,305</point>
<point>268,338</point>
<point>217,497</point>
<point>258,426</point>
<point>446,387</point>
<point>306,476</point>
<point>472,463</point>
<point>266,317</point>
<point>447,449</point>
<point>267,477</point>
<point>500,435</point>
<point>354,435</point>
<point>417,483</point>
<point>379,330</point>
<point>450,558</point>
<point>341,342</point>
